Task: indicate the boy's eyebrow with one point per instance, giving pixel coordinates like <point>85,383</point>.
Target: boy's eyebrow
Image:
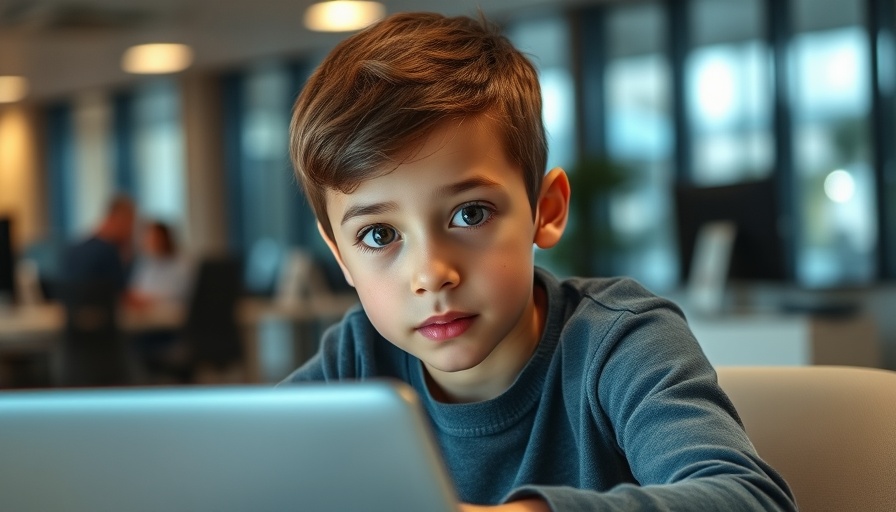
<point>368,209</point>
<point>468,184</point>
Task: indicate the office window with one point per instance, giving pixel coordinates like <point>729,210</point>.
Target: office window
<point>727,75</point>
<point>267,206</point>
<point>159,155</point>
<point>640,137</point>
<point>884,22</point>
<point>545,41</point>
<point>832,154</point>
<point>93,181</point>
<point>267,181</point>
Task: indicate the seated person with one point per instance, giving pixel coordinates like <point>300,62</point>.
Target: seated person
<point>160,277</point>
<point>420,145</point>
<point>160,274</point>
<point>106,254</point>
<point>91,284</point>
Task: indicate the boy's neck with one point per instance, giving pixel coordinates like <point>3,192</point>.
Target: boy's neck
<point>501,370</point>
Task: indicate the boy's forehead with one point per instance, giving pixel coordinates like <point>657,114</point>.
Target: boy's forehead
<point>459,142</point>
<point>456,147</point>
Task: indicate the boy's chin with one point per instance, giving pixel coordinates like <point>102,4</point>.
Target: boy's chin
<point>453,365</point>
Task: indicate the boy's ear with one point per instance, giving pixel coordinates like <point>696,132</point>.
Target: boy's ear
<point>335,250</point>
<point>552,208</point>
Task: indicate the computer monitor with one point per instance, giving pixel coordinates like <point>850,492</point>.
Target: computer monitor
<point>7,262</point>
<point>753,208</point>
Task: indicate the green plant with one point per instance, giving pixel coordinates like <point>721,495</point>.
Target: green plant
<point>593,180</point>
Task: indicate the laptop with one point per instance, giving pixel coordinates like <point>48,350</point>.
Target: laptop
<point>363,446</point>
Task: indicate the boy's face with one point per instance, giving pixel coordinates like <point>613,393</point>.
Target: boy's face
<point>440,251</point>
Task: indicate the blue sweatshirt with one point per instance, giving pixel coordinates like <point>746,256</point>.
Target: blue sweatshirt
<point>617,409</point>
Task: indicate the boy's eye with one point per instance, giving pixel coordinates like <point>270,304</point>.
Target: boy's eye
<point>471,215</point>
<point>378,236</point>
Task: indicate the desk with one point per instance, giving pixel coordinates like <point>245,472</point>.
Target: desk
<point>787,339</point>
<point>19,325</point>
<point>39,328</point>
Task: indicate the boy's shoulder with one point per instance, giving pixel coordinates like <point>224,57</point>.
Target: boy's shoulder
<point>614,294</point>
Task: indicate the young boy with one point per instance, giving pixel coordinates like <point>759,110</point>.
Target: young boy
<point>420,146</point>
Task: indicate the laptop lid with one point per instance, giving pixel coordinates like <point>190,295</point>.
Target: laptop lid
<point>315,447</point>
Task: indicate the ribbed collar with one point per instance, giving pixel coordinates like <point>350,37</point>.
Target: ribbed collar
<point>501,412</point>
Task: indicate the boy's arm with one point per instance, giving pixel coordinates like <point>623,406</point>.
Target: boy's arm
<point>680,434</point>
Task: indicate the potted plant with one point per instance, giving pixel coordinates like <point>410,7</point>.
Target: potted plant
<point>593,180</point>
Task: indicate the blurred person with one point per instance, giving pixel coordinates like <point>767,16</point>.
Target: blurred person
<point>161,277</point>
<point>160,273</point>
<point>92,284</point>
<point>106,254</point>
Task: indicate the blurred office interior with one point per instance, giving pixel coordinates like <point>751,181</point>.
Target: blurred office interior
<point>789,105</point>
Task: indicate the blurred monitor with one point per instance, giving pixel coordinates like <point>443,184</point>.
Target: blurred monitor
<point>263,267</point>
<point>757,253</point>
<point>7,262</point>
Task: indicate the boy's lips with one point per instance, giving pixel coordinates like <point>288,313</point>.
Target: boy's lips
<point>445,327</point>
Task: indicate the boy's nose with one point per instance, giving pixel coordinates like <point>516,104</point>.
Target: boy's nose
<point>433,275</point>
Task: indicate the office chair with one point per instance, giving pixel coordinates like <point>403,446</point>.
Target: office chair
<point>829,430</point>
<point>94,352</point>
<point>212,331</point>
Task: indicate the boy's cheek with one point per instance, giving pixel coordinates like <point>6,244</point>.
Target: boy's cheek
<point>383,307</point>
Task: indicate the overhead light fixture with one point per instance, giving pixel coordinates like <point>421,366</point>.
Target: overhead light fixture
<point>13,88</point>
<point>157,59</point>
<point>343,15</point>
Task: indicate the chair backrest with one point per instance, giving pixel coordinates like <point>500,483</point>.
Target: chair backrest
<point>212,329</point>
<point>94,352</point>
<point>829,430</point>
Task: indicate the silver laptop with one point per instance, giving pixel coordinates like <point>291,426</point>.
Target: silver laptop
<point>310,447</point>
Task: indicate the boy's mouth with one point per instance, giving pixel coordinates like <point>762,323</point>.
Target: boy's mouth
<point>445,327</point>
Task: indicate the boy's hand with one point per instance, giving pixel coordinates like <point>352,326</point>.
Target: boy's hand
<point>527,505</point>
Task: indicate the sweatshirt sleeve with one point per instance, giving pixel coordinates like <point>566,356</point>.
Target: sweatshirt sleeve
<point>678,431</point>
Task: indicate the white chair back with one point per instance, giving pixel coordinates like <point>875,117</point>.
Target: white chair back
<point>830,431</point>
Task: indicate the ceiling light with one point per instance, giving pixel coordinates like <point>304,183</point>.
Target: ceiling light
<point>12,88</point>
<point>343,15</point>
<point>157,58</point>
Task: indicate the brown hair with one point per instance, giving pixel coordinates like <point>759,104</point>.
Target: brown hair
<point>166,235</point>
<point>386,88</point>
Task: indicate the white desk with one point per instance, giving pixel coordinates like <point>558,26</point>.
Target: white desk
<point>787,339</point>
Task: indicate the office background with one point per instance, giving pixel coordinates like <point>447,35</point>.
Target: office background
<point>673,93</point>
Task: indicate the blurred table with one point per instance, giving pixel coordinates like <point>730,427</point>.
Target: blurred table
<point>39,328</point>
<point>19,325</point>
<point>787,339</point>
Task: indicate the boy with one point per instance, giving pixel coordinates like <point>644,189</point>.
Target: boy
<point>420,146</point>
